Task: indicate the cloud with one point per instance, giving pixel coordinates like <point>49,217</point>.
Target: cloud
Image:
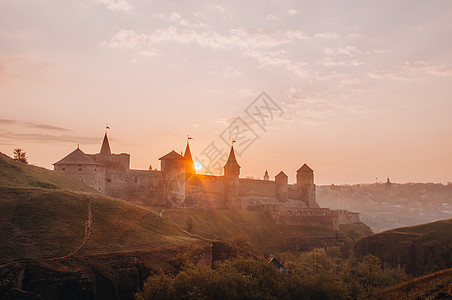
<point>250,38</point>
<point>260,44</point>
<point>292,12</point>
<point>117,5</point>
<point>13,34</point>
<point>271,17</point>
<point>12,138</point>
<point>347,51</point>
<point>32,125</point>
<point>226,71</point>
<point>344,56</point>
<point>186,22</point>
<point>221,10</point>
<point>314,105</point>
<point>327,35</point>
<point>278,58</point>
<point>412,70</point>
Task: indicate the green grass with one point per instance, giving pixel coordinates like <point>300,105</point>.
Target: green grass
<point>40,223</point>
<point>433,286</point>
<point>227,224</point>
<point>435,231</point>
<point>417,247</point>
<point>17,174</point>
<point>355,231</point>
<point>43,214</point>
<point>264,234</point>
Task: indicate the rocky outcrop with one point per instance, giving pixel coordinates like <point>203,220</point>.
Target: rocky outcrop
<point>101,276</point>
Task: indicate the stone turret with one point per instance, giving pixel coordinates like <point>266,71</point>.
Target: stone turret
<point>118,162</point>
<point>266,177</point>
<point>231,182</point>
<point>173,172</point>
<point>105,149</point>
<point>84,168</point>
<point>172,163</point>
<point>189,165</point>
<point>306,186</point>
<point>282,185</point>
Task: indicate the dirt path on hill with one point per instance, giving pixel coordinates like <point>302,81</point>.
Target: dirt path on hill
<point>88,229</point>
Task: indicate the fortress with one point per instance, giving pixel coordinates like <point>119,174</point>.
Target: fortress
<point>177,185</point>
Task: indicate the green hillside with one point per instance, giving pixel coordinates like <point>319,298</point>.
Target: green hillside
<point>433,286</point>
<point>421,249</point>
<point>39,223</point>
<point>17,174</point>
<point>261,230</point>
<point>230,224</point>
<point>47,214</point>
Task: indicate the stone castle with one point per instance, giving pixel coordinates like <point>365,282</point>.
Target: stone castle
<point>178,185</point>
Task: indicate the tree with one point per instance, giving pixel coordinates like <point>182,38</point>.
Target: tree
<point>20,155</point>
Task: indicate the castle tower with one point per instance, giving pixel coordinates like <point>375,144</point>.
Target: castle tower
<point>189,165</point>
<point>388,188</point>
<point>105,149</point>
<point>173,172</point>
<point>231,182</point>
<point>306,186</point>
<point>282,185</point>
<point>117,162</point>
<point>84,168</point>
<point>266,177</point>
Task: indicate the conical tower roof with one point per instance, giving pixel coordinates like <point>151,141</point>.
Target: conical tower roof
<point>172,155</point>
<point>281,175</point>
<point>105,149</point>
<point>305,169</point>
<point>187,153</point>
<point>77,157</point>
<point>190,166</point>
<point>232,161</point>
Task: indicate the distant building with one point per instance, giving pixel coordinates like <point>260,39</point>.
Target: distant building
<point>178,185</point>
<point>275,262</point>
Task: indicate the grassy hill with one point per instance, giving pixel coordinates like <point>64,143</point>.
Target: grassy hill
<point>45,213</point>
<point>261,230</point>
<point>17,174</point>
<point>421,248</point>
<point>433,286</point>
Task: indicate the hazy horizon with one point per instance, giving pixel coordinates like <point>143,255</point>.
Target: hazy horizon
<point>359,90</point>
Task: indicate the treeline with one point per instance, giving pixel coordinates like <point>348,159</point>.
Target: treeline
<point>318,274</point>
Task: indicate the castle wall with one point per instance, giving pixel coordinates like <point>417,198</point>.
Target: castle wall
<point>139,186</point>
<point>92,175</point>
<point>113,161</point>
<point>258,188</point>
<point>345,217</point>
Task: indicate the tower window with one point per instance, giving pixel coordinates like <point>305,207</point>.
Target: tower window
<point>80,169</point>
<point>63,169</point>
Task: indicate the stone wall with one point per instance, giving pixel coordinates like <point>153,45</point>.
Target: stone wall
<point>345,217</point>
<point>113,161</point>
<point>92,175</point>
<point>259,188</point>
<point>137,186</point>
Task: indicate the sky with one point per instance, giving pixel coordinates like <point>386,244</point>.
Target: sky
<point>358,90</point>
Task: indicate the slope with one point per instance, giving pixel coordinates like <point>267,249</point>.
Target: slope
<point>17,174</point>
<point>420,249</point>
<point>48,214</point>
